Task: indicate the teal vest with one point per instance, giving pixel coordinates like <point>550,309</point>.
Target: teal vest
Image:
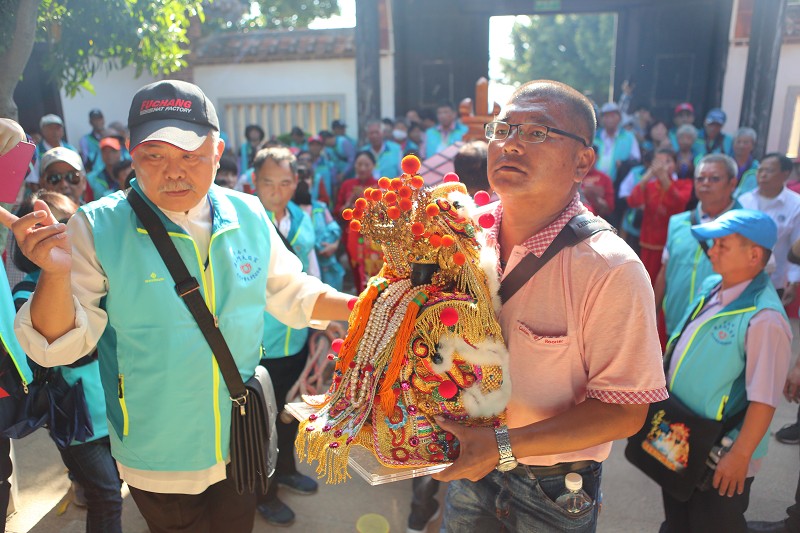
<point>622,151</point>
<point>331,271</point>
<point>630,213</point>
<point>7,336</point>
<point>168,406</point>
<point>709,375</point>
<point>279,340</point>
<point>687,268</point>
<point>435,143</point>
<point>699,147</point>
<point>388,162</point>
<point>748,181</point>
<point>88,374</point>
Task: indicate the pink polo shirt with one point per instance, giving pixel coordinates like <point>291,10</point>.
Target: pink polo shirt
<point>583,327</point>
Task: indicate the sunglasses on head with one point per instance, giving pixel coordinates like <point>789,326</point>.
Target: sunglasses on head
<point>73,177</point>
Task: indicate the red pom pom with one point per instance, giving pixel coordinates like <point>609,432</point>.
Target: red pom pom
<point>396,184</point>
<point>331,357</point>
<point>336,345</point>
<point>417,182</point>
<point>404,192</point>
<point>451,177</point>
<point>431,210</point>
<point>390,198</point>
<point>448,316</point>
<point>448,240</point>
<point>486,220</point>
<point>351,303</point>
<point>347,214</point>
<point>404,204</point>
<point>417,229</point>
<point>481,198</point>
<point>435,240</point>
<point>361,204</point>
<point>448,390</point>
<point>355,225</point>
<point>384,183</point>
<point>358,214</point>
<point>393,212</point>
<point>410,164</point>
<point>375,195</point>
<point>459,258</point>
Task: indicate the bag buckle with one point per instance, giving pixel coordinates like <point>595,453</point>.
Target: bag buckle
<point>241,401</point>
<point>187,286</point>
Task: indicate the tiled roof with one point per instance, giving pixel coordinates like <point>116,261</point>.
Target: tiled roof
<point>274,45</point>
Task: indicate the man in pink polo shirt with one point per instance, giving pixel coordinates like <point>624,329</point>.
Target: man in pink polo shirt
<point>585,356</point>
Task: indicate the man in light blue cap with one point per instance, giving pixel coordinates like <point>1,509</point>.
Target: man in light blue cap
<point>711,140</point>
<point>729,355</point>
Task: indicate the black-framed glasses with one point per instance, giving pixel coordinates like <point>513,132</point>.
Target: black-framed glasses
<point>709,179</point>
<point>73,177</point>
<point>528,132</point>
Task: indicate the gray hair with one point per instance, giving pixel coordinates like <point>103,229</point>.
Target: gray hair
<point>746,132</point>
<point>725,160</point>
<point>687,129</point>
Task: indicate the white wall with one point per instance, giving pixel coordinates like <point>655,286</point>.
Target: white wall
<point>733,91</point>
<point>113,94</point>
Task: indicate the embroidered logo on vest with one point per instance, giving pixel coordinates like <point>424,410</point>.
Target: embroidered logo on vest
<point>153,278</point>
<point>246,265</point>
<point>724,333</point>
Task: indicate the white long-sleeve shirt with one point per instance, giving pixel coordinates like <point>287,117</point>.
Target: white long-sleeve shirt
<point>291,296</point>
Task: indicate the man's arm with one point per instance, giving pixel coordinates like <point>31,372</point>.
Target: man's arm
<point>587,424</point>
<point>732,468</point>
<point>660,287</point>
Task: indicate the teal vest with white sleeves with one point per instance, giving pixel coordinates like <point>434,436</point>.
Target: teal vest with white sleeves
<point>709,376</point>
<point>280,340</point>
<point>623,144</point>
<point>687,268</point>
<point>168,406</point>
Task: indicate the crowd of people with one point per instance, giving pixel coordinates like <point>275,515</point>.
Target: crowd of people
<point>712,239</point>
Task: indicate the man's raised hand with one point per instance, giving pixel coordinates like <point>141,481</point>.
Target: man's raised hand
<point>41,238</point>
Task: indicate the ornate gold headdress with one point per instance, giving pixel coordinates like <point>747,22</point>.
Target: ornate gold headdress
<point>422,350</point>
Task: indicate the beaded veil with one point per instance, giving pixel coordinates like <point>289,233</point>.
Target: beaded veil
<point>423,337</point>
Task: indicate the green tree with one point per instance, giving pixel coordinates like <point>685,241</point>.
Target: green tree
<point>573,49</point>
<point>237,14</point>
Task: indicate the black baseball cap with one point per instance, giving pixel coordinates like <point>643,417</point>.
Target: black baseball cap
<point>338,124</point>
<point>95,113</point>
<point>171,111</point>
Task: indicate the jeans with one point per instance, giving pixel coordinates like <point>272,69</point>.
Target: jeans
<point>512,502</point>
<point>94,468</point>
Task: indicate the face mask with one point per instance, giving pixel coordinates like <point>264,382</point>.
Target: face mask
<point>399,135</point>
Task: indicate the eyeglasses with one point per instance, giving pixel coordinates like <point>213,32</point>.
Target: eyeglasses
<point>709,179</point>
<point>528,132</point>
<point>72,177</point>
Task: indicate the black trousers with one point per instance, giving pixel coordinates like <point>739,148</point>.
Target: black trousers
<point>792,523</point>
<point>707,512</point>
<point>284,372</point>
<point>5,479</point>
<point>218,508</point>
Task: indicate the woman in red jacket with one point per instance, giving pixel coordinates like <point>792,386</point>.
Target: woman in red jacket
<point>660,194</point>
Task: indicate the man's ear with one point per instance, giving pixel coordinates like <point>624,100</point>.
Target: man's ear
<point>220,150</point>
<point>585,162</point>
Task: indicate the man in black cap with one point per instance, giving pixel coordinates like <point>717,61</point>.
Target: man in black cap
<point>104,284</point>
<point>89,145</point>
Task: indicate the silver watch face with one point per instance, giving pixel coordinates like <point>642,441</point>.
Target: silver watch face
<point>508,464</point>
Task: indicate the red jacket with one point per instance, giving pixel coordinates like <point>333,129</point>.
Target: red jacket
<point>658,205</point>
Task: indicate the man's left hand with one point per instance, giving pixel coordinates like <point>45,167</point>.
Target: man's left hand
<point>731,473</point>
<point>789,293</point>
<point>478,454</point>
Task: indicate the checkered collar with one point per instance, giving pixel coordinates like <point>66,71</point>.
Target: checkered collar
<point>538,243</point>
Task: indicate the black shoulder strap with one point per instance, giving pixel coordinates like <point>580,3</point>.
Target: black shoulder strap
<point>188,289</point>
<point>694,222</point>
<point>578,228</point>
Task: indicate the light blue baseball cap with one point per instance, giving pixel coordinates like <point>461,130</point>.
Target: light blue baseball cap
<point>754,225</point>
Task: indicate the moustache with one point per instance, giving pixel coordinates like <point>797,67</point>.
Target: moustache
<point>178,186</point>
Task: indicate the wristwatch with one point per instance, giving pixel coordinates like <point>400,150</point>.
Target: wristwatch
<point>507,460</point>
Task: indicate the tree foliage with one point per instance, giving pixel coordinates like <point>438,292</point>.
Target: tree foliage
<point>232,15</point>
<point>573,49</point>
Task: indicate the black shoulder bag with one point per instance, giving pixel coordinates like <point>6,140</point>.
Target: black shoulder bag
<point>254,442</point>
<point>673,445</point>
<point>578,228</point>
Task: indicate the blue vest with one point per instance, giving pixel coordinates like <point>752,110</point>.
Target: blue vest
<point>623,144</point>
<point>388,160</point>
<point>331,271</point>
<point>168,406</point>
<point>279,340</point>
<point>7,336</point>
<point>687,268</point>
<point>709,375</point>
<point>748,181</point>
<point>89,375</point>
<point>725,146</point>
<point>630,212</point>
<point>99,183</point>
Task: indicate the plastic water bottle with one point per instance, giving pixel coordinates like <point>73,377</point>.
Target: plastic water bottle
<point>574,500</point>
<point>716,453</point>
